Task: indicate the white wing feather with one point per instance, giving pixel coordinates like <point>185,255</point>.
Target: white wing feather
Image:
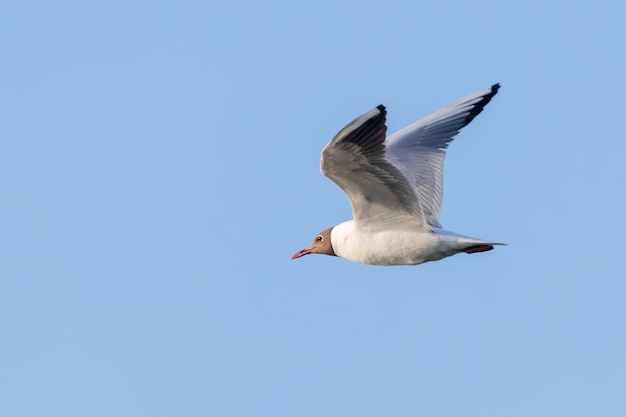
<point>418,149</point>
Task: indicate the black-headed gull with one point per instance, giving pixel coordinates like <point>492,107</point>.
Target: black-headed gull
<point>395,186</point>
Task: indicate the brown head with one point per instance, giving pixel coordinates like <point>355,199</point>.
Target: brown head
<point>321,244</point>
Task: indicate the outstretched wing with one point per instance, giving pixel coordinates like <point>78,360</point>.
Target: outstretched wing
<point>379,192</point>
<point>417,151</point>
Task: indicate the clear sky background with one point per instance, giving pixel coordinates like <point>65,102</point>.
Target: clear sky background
<point>159,165</point>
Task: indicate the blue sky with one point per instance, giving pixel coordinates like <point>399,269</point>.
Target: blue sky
<point>159,165</point>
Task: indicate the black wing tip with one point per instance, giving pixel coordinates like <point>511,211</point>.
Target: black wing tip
<point>478,107</point>
<point>487,97</point>
<point>367,131</point>
<point>382,115</point>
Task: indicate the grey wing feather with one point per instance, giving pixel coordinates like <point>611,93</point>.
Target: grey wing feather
<point>380,194</point>
<point>418,149</point>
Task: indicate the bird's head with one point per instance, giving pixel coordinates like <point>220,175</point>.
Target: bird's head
<point>321,244</point>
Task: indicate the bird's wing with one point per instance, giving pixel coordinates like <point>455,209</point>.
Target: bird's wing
<point>417,151</point>
<point>380,194</point>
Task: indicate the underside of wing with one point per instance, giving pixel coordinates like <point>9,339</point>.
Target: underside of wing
<point>356,161</point>
<point>418,149</point>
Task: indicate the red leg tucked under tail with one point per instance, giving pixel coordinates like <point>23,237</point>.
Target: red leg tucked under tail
<point>477,248</point>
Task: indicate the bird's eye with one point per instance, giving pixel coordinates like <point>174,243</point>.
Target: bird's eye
<point>319,238</point>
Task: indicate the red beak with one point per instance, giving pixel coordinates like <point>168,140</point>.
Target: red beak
<point>301,253</point>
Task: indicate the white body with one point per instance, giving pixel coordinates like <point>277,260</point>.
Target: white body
<point>395,187</point>
<point>397,247</point>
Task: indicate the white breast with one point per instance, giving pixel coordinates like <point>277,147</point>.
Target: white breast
<point>393,247</point>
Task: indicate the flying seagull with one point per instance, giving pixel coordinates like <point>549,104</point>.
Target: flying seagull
<point>395,187</point>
